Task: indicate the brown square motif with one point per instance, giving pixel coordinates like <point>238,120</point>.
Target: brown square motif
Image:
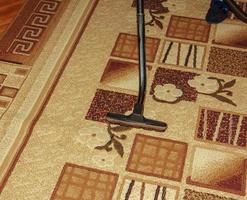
<point>8,92</point>
<point>157,157</point>
<point>121,74</point>
<point>78,182</point>
<point>188,29</point>
<point>222,127</point>
<point>217,171</point>
<point>227,61</point>
<point>2,78</point>
<point>126,47</point>
<point>135,189</point>
<point>109,101</point>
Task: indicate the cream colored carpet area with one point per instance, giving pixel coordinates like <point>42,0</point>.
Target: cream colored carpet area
<point>55,142</point>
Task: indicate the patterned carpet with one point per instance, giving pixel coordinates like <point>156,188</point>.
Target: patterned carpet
<point>24,26</point>
<point>55,142</point>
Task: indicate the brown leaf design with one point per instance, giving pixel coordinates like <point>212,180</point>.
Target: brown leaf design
<point>100,147</point>
<point>229,93</point>
<point>159,24</point>
<point>123,137</point>
<point>229,84</point>
<point>224,99</point>
<point>107,148</point>
<point>120,128</point>
<point>119,147</point>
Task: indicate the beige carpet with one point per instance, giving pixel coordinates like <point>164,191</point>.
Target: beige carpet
<point>196,84</point>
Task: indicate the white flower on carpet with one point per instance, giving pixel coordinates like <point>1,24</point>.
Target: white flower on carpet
<point>103,159</point>
<point>92,137</point>
<point>167,92</point>
<point>204,85</point>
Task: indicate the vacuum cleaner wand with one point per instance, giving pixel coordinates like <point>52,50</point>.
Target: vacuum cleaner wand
<point>240,14</point>
<point>136,119</point>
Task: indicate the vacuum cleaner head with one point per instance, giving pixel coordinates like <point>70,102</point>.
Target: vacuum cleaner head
<point>136,121</point>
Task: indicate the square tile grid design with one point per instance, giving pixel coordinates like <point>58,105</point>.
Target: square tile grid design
<point>126,47</point>
<point>188,29</point>
<point>78,182</point>
<point>153,156</point>
<point>11,81</point>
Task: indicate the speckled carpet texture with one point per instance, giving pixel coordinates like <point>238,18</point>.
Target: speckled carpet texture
<point>64,64</point>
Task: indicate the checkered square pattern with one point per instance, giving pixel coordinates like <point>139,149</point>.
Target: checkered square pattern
<point>126,47</point>
<point>21,71</point>
<point>8,92</point>
<point>11,80</point>
<point>188,29</point>
<point>2,78</point>
<point>77,183</point>
<point>4,103</point>
<point>157,157</point>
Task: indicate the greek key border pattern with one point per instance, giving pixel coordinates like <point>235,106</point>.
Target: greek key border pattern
<point>34,27</point>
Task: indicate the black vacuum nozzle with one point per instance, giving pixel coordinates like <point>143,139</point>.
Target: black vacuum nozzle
<point>136,121</point>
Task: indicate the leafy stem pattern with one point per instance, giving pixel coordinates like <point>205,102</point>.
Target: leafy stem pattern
<point>202,86</point>
<point>156,10</point>
<point>114,140</point>
<point>223,88</point>
<point>156,15</point>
